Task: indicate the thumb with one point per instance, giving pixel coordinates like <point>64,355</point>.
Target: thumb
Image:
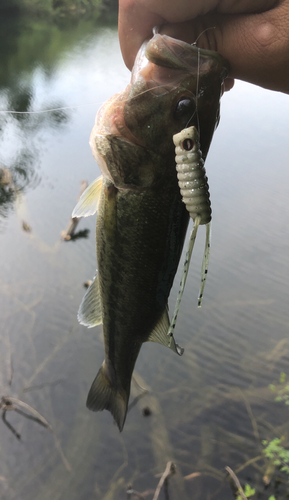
<point>256,46</point>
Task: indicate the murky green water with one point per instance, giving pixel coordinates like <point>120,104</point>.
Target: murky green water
<point>210,408</point>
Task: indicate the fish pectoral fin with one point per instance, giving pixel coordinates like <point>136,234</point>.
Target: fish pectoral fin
<point>88,202</point>
<point>104,395</point>
<point>89,312</point>
<point>160,334</point>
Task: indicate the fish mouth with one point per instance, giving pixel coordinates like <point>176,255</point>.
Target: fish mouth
<point>164,62</point>
<point>169,52</point>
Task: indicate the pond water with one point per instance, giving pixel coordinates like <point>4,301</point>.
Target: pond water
<point>209,409</point>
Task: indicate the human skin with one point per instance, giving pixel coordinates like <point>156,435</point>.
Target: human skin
<point>252,35</point>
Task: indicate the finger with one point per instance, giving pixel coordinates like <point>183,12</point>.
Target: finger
<point>256,46</point>
<point>184,10</point>
<point>138,17</point>
<point>228,84</point>
<point>135,25</point>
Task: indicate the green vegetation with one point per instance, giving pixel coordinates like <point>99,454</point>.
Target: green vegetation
<point>56,10</point>
<point>248,491</point>
<point>283,391</point>
<point>275,451</point>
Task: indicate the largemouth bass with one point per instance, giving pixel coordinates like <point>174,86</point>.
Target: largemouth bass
<point>141,219</point>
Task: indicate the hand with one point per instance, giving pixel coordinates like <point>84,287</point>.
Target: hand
<point>252,36</point>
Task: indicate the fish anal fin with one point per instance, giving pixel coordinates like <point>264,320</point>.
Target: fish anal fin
<point>88,202</point>
<point>89,312</point>
<point>104,395</point>
<point>160,334</point>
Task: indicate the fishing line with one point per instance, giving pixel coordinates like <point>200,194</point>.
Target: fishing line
<point>194,44</point>
<point>50,110</point>
<point>196,97</point>
<point>197,94</point>
<point>156,30</point>
<point>207,29</point>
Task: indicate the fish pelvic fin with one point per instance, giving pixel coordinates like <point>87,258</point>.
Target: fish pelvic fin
<point>88,202</point>
<point>90,312</point>
<point>161,335</point>
<point>104,395</point>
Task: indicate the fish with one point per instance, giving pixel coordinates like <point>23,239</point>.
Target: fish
<point>141,219</point>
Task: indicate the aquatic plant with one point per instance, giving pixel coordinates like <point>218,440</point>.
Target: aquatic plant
<point>248,492</point>
<point>283,391</point>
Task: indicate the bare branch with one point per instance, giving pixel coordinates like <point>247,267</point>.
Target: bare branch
<point>11,404</point>
<point>169,471</point>
<point>70,230</point>
<point>10,427</point>
<point>237,483</point>
<point>130,492</point>
<point>35,413</point>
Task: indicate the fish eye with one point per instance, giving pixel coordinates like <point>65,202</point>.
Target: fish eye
<point>185,108</point>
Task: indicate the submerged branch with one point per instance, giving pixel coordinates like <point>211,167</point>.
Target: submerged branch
<point>237,483</point>
<point>252,418</point>
<point>70,230</point>
<point>61,453</point>
<point>130,492</point>
<point>12,404</point>
<point>10,427</point>
<point>169,471</point>
<point>249,462</point>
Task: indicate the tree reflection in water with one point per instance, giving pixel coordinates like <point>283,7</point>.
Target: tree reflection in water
<point>29,50</point>
<point>20,128</point>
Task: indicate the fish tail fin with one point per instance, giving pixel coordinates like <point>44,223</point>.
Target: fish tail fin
<point>105,395</point>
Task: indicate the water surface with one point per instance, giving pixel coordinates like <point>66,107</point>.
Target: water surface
<point>210,408</point>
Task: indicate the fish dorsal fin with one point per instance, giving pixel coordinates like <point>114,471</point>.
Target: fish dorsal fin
<point>160,334</point>
<point>89,312</point>
<point>88,202</point>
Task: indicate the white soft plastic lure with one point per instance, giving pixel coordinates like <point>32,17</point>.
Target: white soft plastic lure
<point>194,188</point>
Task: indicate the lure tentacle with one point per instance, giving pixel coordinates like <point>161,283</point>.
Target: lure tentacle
<point>184,277</point>
<point>194,188</point>
<point>205,264</point>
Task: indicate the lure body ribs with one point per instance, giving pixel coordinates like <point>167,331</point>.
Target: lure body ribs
<point>193,182</point>
<point>194,188</point>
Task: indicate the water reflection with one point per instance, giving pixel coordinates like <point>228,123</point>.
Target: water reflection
<point>19,141</point>
<point>21,129</point>
<point>30,52</point>
<point>209,409</point>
